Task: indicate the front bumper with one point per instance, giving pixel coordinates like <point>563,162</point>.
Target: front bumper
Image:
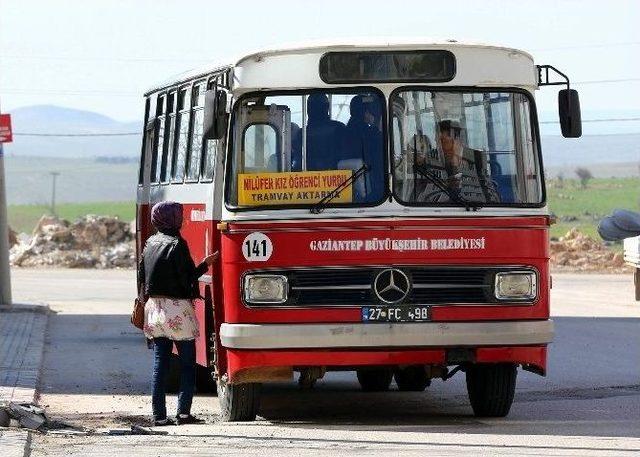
<point>426,334</point>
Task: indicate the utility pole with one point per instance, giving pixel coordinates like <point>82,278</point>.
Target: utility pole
<point>5,272</point>
<point>54,175</point>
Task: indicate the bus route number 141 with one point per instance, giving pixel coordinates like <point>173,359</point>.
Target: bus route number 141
<point>257,247</point>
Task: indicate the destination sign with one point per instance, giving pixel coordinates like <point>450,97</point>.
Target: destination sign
<point>292,188</point>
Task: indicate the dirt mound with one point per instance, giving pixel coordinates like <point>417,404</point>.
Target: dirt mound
<point>90,242</point>
<point>576,251</point>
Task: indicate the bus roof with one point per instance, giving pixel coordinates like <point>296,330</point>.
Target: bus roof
<point>372,44</point>
<point>316,49</point>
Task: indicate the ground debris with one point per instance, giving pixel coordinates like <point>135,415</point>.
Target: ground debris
<point>90,242</point>
<point>26,415</point>
<point>576,251</point>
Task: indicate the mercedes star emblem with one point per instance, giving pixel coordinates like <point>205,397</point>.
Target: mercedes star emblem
<point>391,285</point>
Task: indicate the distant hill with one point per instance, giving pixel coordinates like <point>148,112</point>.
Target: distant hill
<point>590,150</point>
<point>48,119</point>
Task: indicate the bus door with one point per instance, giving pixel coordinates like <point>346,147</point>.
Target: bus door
<point>214,139</point>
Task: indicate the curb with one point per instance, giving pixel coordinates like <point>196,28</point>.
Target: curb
<point>26,308</point>
<point>23,329</point>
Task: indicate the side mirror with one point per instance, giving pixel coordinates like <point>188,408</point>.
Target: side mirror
<point>215,112</point>
<point>209,122</point>
<point>569,112</point>
<point>221,114</point>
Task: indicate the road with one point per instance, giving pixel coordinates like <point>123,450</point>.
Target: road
<point>96,374</point>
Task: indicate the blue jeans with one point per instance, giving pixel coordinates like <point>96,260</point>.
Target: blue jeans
<point>162,348</point>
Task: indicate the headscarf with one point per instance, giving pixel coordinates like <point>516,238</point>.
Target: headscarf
<point>167,216</point>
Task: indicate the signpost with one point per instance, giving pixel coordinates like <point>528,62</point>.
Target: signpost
<point>5,274</point>
<point>6,135</point>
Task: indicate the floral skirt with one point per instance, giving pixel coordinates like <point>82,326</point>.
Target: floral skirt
<point>172,318</point>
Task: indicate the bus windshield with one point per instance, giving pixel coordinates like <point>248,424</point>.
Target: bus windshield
<point>454,147</point>
<point>295,148</point>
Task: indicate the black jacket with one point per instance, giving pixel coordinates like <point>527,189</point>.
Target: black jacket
<point>167,269</point>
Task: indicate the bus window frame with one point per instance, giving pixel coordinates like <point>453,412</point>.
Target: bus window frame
<point>188,88</point>
<point>156,119</point>
<point>206,82</point>
<point>142,164</point>
<point>280,92</point>
<point>190,180</point>
<point>475,89</point>
<point>275,131</point>
<point>170,118</point>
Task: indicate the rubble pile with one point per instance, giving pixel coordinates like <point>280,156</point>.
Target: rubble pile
<point>576,251</point>
<point>90,242</point>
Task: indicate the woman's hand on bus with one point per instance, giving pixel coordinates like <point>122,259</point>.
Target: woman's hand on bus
<point>211,258</point>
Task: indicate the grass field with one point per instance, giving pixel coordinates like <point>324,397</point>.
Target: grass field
<point>583,208</point>
<point>573,205</point>
<point>23,218</point>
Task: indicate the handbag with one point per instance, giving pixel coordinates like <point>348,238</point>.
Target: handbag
<point>137,315</point>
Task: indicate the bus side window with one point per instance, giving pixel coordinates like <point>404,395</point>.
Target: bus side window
<point>208,160</point>
<point>182,132</point>
<point>169,131</point>
<point>197,119</point>
<point>148,115</point>
<point>159,138</point>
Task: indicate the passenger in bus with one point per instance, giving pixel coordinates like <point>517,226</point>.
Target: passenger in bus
<point>363,146</point>
<point>170,276</point>
<point>325,137</point>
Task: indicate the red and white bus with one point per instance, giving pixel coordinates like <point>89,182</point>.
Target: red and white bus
<point>378,207</point>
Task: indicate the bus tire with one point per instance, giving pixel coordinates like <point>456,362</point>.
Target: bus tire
<point>491,387</point>
<point>238,402</point>
<point>412,379</point>
<point>173,375</point>
<point>205,380</point>
<point>374,379</point>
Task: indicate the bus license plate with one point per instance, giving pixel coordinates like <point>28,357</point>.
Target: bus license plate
<point>396,313</point>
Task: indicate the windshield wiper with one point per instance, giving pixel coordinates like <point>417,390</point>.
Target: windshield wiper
<point>321,205</point>
<point>440,184</point>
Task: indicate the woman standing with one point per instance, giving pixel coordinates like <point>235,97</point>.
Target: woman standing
<point>170,279</point>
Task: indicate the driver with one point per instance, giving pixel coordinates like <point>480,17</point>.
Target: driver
<point>449,139</point>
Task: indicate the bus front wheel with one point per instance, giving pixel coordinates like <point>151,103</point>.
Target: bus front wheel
<point>491,388</point>
<point>238,402</point>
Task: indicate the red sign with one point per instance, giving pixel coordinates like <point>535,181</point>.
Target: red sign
<point>5,128</point>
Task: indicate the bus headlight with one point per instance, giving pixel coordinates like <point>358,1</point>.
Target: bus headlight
<point>516,285</point>
<point>265,288</point>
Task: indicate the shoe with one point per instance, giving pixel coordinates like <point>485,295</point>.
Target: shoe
<point>188,419</point>
<point>163,422</point>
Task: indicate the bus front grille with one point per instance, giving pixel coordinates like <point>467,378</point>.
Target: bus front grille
<point>353,286</point>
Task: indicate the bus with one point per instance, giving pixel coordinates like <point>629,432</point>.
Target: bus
<point>379,207</point>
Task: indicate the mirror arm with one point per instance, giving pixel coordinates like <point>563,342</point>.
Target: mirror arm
<point>543,76</point>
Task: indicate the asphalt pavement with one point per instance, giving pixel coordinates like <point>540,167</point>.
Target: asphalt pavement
<point>96,374</point>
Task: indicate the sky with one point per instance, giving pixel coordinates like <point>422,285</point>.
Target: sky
<point>101,55</point>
